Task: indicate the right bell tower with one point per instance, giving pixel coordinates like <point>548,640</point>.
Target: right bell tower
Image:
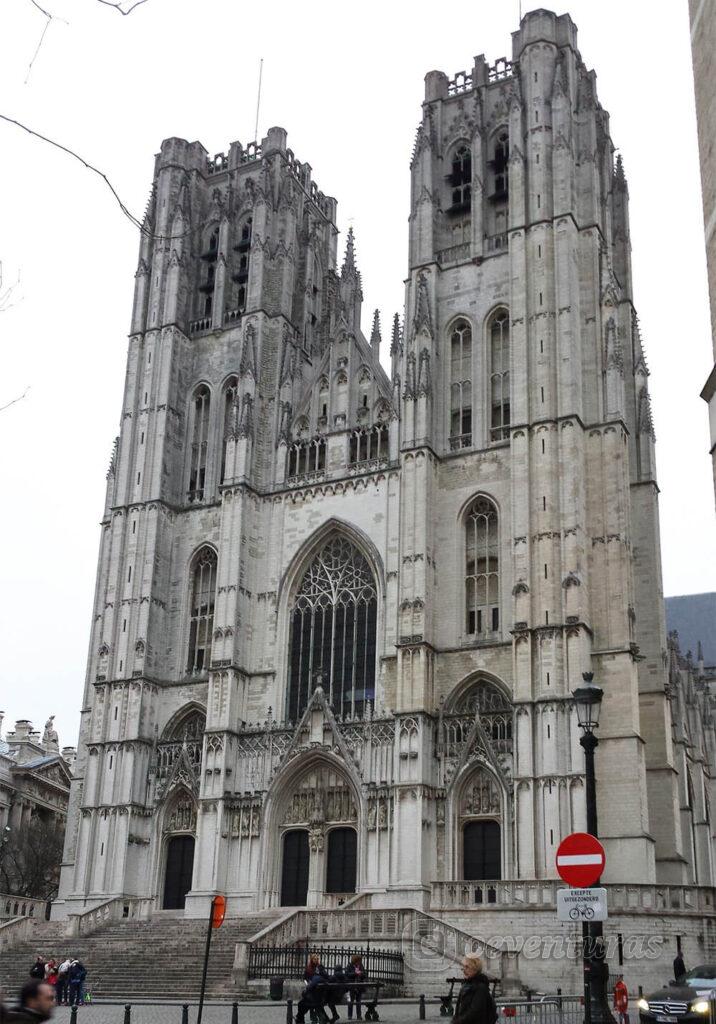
<point>521,377</point>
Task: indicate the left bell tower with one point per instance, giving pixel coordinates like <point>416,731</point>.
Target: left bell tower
<point>237,269</point>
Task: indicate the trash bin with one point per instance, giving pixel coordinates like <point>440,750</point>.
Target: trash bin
<point>276,987</point>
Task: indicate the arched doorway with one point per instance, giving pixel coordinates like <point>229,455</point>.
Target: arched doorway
<point>342,860</point>
<point>294,871</point>
<point>178,872</point>
<point>481,854</point>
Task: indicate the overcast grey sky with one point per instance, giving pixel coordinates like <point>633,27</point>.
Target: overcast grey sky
<point>346,81</point>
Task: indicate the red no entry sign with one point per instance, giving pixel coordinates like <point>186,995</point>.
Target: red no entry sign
<point>580,859</point>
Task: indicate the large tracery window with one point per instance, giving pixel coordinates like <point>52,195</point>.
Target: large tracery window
<point>482,577</point>
<point>499,342</point>
<point>201,611</point>
<point>460,385</point>
<point>199,443</point>
<point>333,631</point>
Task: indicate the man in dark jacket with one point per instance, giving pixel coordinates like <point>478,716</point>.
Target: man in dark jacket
<point>475,1004</point>
<point>37,999</point>
<point>76,980</point>
<point>38,969</point>
<point>679,966</point>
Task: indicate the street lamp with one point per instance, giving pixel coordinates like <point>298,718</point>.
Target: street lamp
<point>588,700</point>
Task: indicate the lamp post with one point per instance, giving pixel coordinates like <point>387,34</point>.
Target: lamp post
<point>588,700</point>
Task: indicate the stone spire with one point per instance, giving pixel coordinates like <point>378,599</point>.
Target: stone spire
<point>375,338</point>
<point>349,268</point>
<point>351,288</point>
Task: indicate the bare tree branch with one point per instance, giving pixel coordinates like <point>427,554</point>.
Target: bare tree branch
<point>50,18</point>
<point>118,6</point>
<point>6,295</point>
<point>14,401</point>
<point>95,170</point>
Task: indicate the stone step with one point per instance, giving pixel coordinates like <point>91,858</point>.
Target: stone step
<point>160,958</point>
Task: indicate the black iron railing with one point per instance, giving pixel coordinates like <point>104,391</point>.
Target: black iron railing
<point>290,961</point>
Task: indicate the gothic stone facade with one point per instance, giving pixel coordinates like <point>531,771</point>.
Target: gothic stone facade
<point>339,614</point>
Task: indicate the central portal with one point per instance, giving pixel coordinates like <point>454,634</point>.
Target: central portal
<point>294,874</point>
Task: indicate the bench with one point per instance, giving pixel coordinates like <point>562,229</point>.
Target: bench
<point>368,989</point>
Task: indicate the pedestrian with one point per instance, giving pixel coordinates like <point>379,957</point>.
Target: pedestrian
<point>475,1004</point>
<point>37,970</point>
<point>37,999</point>
<point>356,977</point>
<point>62,990</point>
<point>679,966</point>
<point>51,973</point>
<point>77,976</point>
<point>621,1000</point>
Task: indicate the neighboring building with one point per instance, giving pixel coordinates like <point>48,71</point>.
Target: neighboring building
<point>702,18</point>
<point>339,614</point>
<point>34,775</point>
<point>34,785</point>
<point>693,617</point>
<point>693,705</point>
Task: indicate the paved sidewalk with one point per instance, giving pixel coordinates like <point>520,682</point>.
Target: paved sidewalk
<point>398,1012</point>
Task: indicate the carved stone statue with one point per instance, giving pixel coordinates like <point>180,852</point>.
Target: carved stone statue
<point>50,739</point>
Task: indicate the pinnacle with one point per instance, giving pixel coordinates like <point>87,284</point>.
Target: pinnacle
<point>619,173</point>
<point>395,339</point>
<point>375,337</point>
<point>349,260</point>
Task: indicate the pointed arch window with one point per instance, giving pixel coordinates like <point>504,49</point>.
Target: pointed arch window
<point>498,335</point>
<point>201,611</point>
<point>240,262</point>
<point>206,287</point>
<point>500,162</point>
<point>333,631</point>
<point>482,570</point>
<point>199,443</point>
<point>460,385</point>
<point>231,389</point>
<point>461,180</point>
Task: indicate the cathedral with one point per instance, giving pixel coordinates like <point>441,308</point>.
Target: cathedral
<point>348,581</point>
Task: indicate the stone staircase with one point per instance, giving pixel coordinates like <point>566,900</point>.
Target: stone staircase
<point>159,958</point>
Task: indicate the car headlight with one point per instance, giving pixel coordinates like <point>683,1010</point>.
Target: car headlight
<point>643,1005</point>
<point>700,1006</point>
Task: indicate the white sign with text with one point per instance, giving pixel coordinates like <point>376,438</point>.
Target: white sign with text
<point>582,904</point>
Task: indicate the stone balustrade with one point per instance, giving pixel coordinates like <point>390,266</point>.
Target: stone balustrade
<point>542,893</point>
<point>116,909</point>
<point>21,906</point>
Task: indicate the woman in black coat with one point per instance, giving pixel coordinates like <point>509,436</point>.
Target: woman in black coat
<point>475,1004</point>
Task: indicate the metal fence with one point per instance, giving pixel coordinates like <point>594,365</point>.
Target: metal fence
<point>290,961</point>
<point>545,1010</point>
